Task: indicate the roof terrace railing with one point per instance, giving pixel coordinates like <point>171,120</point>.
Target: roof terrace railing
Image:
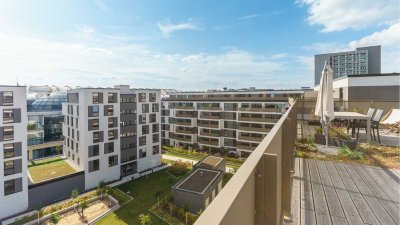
<point>260,191</point>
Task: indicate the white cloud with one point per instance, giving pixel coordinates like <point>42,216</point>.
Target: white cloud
<point>84,29</point>
<point>41,61</point>
<point>167,28</point>
<point>320,48</point>
<point>306,61</point>
<point>336,15</point>
<point>280,56</point>
<point>390,40</point>
<point>251,16</point>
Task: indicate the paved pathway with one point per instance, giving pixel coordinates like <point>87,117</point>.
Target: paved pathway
<point>329,193</point>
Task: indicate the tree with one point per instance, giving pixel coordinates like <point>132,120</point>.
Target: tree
<point>144,219</point>
<point>83,205</point>
<point>74,196</point>
<point>101,187</point>
<point>157,194</point>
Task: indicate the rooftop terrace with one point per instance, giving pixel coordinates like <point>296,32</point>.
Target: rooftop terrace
<point>48,169</point>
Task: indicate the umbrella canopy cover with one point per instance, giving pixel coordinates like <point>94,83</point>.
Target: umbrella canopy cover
<point>324,107</point>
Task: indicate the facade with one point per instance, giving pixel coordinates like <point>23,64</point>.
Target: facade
<point>106,136</point>
<point>45,121</point>
<point>231,121</point>
<point>13,153</point>
<point>197,190</point>
<point>365,60</point>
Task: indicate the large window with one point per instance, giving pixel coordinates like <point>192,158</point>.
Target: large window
<point>9,165</point>
<point>156,149</point>
<point>152,97</point>
<point>112,160</point>
<point>97,97</point>
<point>142,97</point>
<point>112,97</point>
<point>94,165</point>
<point>94,150</point>
<point>12,186</point>
<point>7,98</point>
<point>8,116</point>
<point>8,133</point>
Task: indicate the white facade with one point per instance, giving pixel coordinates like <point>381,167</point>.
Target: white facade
<point>13,151</point>
<point>96,165</point>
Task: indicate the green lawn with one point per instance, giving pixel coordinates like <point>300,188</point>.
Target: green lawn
<point>143,192</point>
<point>48,169</point>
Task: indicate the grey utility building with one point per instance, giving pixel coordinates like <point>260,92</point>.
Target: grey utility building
<point>197,190</point>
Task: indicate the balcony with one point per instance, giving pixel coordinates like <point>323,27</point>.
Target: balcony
<point>186,115</point>
<point>207,124</point>
<point>257,119</point>
<point>183,123</point>
<point>260,191</point>
<point>183,107</point>
<point>257,129</point>
<point>212,117</point>
<point>183,138</point>
<point>209,141</point>
<point>184,131</point>
<point>208,108</point>
<point>250,138</point>
<point>260,109</point>
<point>212,133</point>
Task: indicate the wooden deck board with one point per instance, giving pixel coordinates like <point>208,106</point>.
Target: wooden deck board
<point>326,192</point>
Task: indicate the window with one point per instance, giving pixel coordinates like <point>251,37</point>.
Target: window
<point>10,187</point>
<point>95,110</point>
<point>142,119</point>
<point>97,97</point>
<point>97,137</point>
<point>77,147</point>
<point>152,97</point>
<point>108,147</point>
<point>142,153</point>
<point>142,97</point>
<point>142,140</point>
<point>78,161</point>
<point>77,135</point>
<point>7,98</point>
<point>8,151</point>
<point>153,118</point>
<point>112,160</point>
<point>156,149</point>
<point>145,108</point>
<point>93,124</point>
<point>156,138</point>
<point>112,97</point>
<point>155,107</point>
<point>8,133</point>
<point>77,111</point>
<point>112,134</point>
<point>94,150</point>
<point>94,165</point>
<point>108,110</point>
<point>145,129</point>
<point>9,165</point>
<point>8,116</point>
<point>76,122</point>
<point>112,122</point>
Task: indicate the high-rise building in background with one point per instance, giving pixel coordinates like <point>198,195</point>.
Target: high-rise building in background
<point>106,136</point>
<point>13,151</point>
<point>227,122</point>
<point>364,60</point>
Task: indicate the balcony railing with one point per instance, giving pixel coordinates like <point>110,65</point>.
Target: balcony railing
<point>258,119</point>
<point>249,138</point>
<point>257,129</point>
<point>182,131</point>
<point>183,123</point>
<point>260,191</point>
<point>208,142</point>
<point>260,109</point>
<point>211,134</point>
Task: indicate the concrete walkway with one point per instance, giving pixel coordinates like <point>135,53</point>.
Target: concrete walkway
<point>176,158</point>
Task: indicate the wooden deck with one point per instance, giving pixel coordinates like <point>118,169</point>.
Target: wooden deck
<point>328,193</point>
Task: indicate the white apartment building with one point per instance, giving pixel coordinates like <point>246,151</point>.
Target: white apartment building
<point>111,133</point>
<point>230,121</point>
<point>13,151</point>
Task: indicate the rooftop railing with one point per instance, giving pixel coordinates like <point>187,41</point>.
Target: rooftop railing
<point>260,191</point>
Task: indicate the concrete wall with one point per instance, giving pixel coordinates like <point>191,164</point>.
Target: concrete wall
<point>374,58</point>
<point>55,190</point>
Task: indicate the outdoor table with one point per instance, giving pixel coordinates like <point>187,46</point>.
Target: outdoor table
<point>356,116</point>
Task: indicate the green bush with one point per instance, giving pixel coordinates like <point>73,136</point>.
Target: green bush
<point>179,168</point>
<point>352,155</point>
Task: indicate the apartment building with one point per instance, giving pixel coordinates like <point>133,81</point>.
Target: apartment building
<point>13,153</point>
<point>229,121</point>
<point>364,60</point>
<point>107,137</point>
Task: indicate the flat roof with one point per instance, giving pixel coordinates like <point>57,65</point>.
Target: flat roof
<point>199,180</point>
<point>210,162</point>
<point>235,91</point>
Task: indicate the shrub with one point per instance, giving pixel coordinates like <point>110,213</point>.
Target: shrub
<point>55,218</point>
<point>179,168</point>
<point>310,140</point>
<point>318,130</point>
<point>352,155</point>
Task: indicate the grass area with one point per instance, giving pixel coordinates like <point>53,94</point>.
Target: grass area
<point>226,178</point>
<point>366,154</point>
<point>191,157</point>
<point>24,220</point>
<point>143,191</point>
<point>48,169</point>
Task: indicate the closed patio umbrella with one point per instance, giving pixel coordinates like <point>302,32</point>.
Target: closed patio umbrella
<point>324,107</point>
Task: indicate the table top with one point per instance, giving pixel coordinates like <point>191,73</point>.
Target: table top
<point>350,115</point>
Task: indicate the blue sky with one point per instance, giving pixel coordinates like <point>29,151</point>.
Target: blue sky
<point>187,45</point>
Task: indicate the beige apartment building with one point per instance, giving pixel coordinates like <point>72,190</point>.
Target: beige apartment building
<point>228,121</point>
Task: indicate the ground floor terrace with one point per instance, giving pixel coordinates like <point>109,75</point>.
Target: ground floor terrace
<point>326,192</point>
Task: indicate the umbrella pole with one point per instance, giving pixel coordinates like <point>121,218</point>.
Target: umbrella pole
<point>326,131</point>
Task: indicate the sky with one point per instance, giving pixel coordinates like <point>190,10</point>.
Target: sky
<point>187,45</point>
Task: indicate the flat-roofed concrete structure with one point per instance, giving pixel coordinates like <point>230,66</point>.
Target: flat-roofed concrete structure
<point>211,162</point>
<point>198,190</point>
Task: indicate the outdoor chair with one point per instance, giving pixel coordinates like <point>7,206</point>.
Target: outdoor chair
<point>363,124</point>
<point>375,124</point>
